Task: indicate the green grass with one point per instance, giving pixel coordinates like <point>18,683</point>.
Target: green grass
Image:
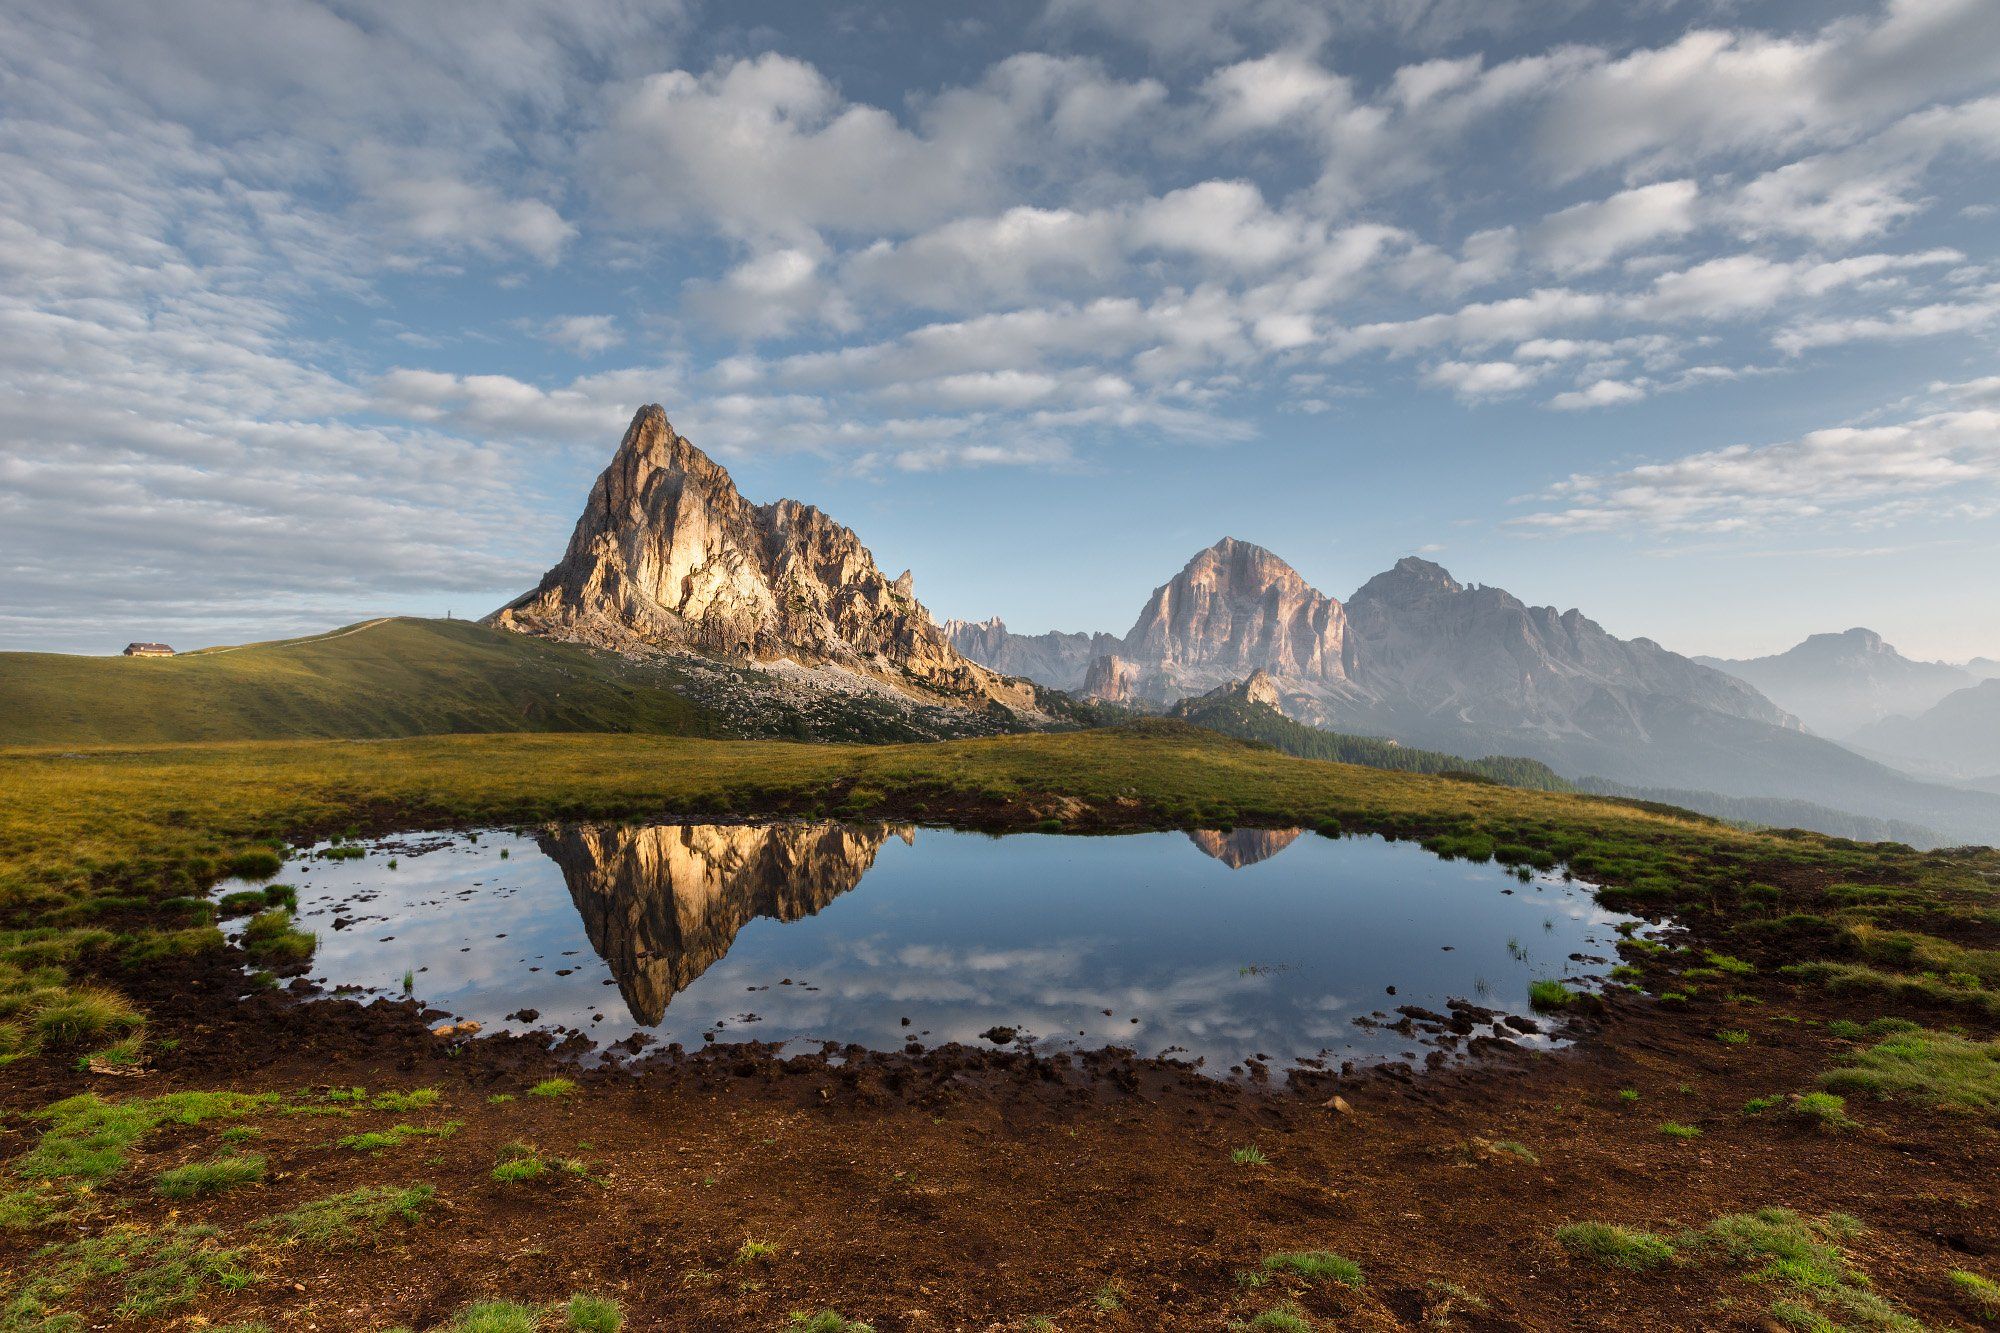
<point>1674,1129</point>
<point>1621,1247</point>
<point>154,1272</point>
<point>553,1087</point>
<point>209,1177</point>
<point>518,1163</point>
<point>496,1317</point>
<point>397,677</point>
<point>827,1321</point>
<point>593,1314</point>
<point>87,1138</point>
<point>1546,994</point>
<point>377,1140</point>
<point>1977,1296</point>
<point>1795,1261</point>
<point>1941,1069</point>
<point>1278,1319</point>
<point>1315,1266</point>
<point>350,1218</point>
<point>1250,1155</point>
<point>271,938</point>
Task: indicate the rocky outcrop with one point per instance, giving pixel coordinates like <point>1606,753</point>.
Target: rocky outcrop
<point>662,905</point>
<point>1244,846</point>
<point>1055,658</point>
<point>1113,680</point>
<point>668,554</point>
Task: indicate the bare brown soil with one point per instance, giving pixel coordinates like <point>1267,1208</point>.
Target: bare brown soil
<point>969,1189</point>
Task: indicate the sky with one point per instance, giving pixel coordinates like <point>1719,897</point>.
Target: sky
<point>1684,312</point>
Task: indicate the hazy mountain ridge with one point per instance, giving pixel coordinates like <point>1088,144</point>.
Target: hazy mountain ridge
<point>1959,736</point>
<point>1056,659</point>
<point>1839,683</point>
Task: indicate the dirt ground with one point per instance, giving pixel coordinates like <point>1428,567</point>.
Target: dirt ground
<point>984,1189</point>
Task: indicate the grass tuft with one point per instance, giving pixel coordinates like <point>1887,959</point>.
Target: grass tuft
<point>1315,1266</point>
<point>210,1177</point>
<point>1940,1068</point>
<point>347,1219</point>
<point>1621,1247</point>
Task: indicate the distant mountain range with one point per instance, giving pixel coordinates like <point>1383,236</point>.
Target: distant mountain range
<point>1839,683</point>
<point>1959,736</point>
<point>1419,658</point>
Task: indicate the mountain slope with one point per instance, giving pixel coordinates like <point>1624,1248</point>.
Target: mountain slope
<point>668,554</point>
<point>1430,652</point>
<point>1248,711</point>
<point>1836,683</point>
<point>1959,736</point>
<point>399,677</point>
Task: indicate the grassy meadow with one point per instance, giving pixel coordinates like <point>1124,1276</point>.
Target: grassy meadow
<point>391,677</point>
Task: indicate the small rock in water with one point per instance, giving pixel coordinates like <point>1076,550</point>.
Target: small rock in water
<point>999,1036</point>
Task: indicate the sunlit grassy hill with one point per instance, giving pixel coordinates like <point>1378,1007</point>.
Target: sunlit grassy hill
<point>393,677</point>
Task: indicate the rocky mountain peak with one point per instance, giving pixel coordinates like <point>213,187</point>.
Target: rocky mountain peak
<point>1233,608</point>
<point>668,554</point>
<point>1412,578</point>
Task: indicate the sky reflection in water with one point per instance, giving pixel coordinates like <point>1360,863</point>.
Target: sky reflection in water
<point>1220,946</point>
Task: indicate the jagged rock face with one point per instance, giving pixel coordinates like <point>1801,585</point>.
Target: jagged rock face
<point>1244,846</point>
<point>1427,645</point>
<point>662,905</point>
<point>1113,680</point>
<point>1055,658</point>
<point>669,554</point>
<point>1838,683</point>
<point>1235,608</point>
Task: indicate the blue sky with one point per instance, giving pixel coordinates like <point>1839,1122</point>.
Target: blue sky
<point>1683,313</point>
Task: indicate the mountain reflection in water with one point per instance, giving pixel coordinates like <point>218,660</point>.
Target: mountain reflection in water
<point>1244,846</point>
<point>1298,946</point>
<point>661,905</point>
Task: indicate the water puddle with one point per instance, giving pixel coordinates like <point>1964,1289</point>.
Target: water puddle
<point>1289,948</point>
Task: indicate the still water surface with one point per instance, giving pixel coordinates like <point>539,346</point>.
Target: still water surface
<point>1215,947</point>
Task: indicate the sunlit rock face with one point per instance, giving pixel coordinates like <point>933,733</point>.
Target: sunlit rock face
<point>669,554</point>
<point>1235,608</point>
<point>663,904</point>
<point>1244,846</point>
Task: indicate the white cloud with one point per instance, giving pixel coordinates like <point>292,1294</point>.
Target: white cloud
<point>768,147</point>
<point>1713,91</point>
<point>1921,321</point>
<point>1483,379</point>
<point>586,335</point>
<point>1851,475</point>
<point>1598,393</point>
<point>1588,236</point>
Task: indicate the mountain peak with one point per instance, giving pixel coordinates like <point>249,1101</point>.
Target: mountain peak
<point>1412,576</point>
<point>1236,606</point>
<point>668,554</point>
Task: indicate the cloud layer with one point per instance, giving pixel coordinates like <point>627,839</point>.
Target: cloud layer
<point>306,307</point>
